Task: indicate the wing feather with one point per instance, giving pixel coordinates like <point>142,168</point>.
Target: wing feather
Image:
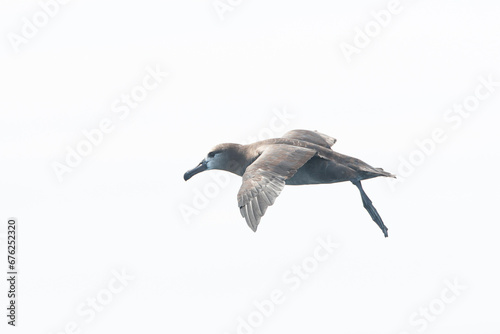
<point>314,137</point>
<point>264,180</point>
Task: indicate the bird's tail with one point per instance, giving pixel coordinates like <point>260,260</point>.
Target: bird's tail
<point>384,173</point>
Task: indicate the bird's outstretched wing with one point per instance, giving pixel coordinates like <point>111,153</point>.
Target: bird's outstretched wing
<point>312,137</point>
<point>265,178</point>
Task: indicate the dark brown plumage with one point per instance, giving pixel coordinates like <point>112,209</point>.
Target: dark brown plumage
<point>299,157</point>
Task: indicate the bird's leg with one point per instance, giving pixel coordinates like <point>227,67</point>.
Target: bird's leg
<point>367,203</point>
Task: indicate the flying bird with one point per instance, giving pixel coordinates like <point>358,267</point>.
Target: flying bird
<point>299,157</point>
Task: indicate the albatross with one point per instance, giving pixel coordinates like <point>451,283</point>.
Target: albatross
<point>300,157</point>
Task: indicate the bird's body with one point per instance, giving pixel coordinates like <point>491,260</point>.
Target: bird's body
<point>300,157</point>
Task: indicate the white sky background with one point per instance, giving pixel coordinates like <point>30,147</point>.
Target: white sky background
<point>120,208</point>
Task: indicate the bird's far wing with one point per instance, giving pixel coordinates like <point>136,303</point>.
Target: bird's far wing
<point>265,178</point>
<point>312,137</point>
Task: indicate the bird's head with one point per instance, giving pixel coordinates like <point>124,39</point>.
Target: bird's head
<point>228,157</point>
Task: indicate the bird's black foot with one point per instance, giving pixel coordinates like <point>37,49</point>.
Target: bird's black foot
<point>368,205</point>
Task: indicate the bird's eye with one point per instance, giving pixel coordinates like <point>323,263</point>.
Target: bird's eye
<point>211,154</point>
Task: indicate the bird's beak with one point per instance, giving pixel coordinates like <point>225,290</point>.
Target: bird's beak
<point>202,166</point>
